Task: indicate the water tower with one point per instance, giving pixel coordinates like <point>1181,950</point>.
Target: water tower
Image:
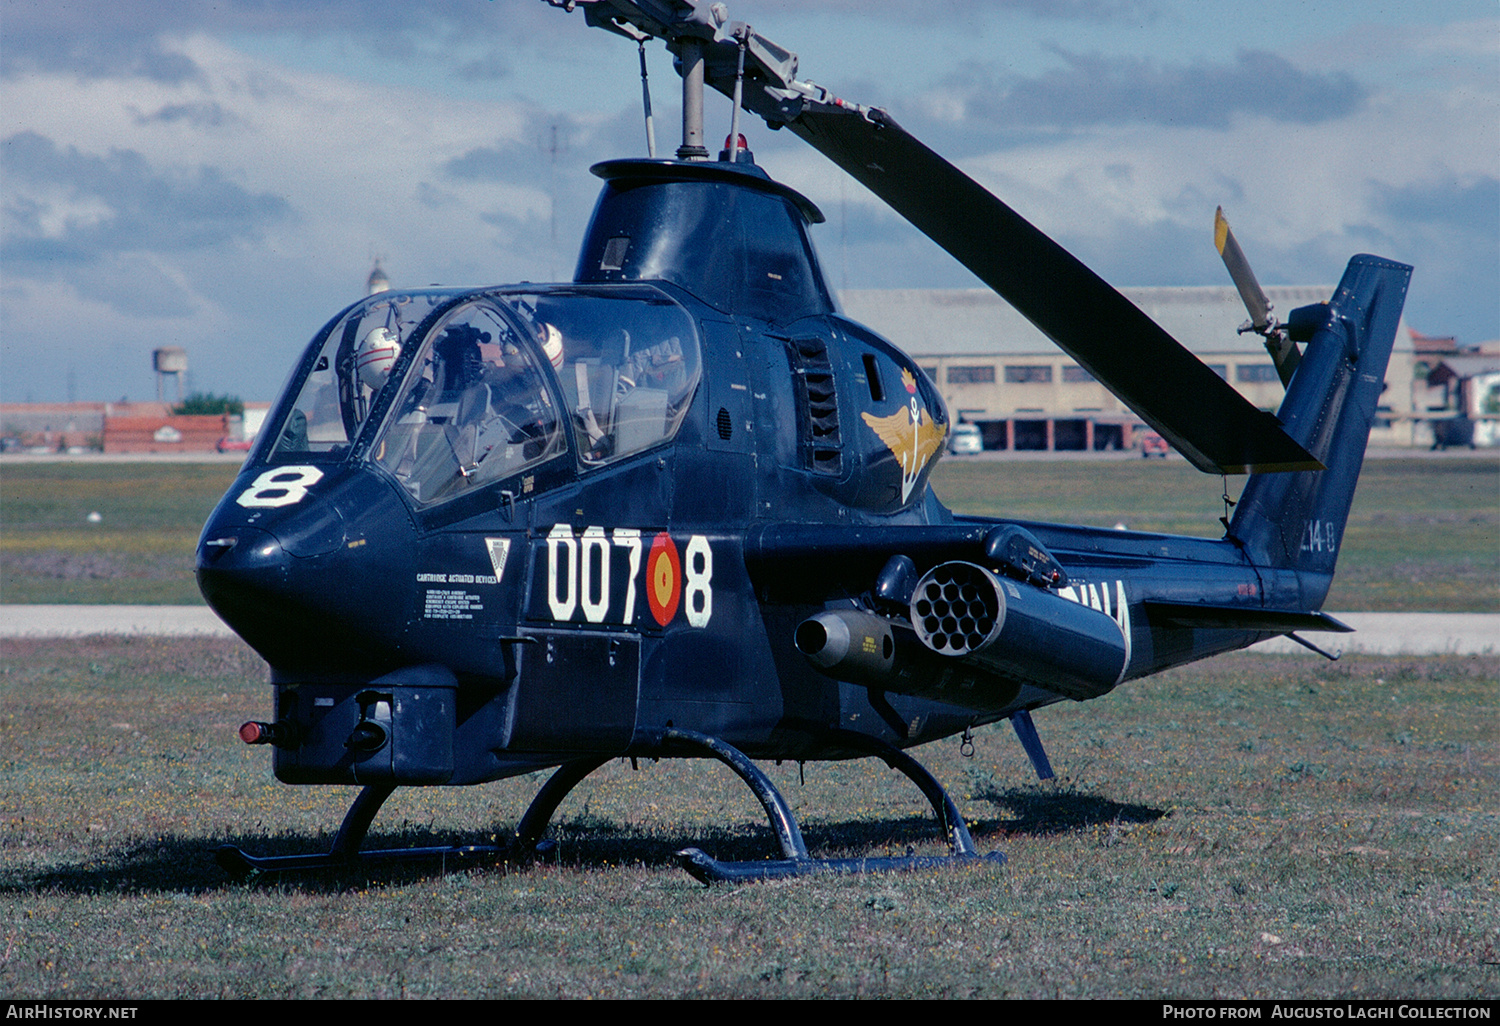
<point>169,361</point>
<point>377,282</point>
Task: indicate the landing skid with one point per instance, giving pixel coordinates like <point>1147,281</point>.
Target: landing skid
<point>345,853</point>
<point>795,860</point>
<point>526,842</point>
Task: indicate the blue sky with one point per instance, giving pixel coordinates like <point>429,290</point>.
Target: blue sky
<point>219,175</point>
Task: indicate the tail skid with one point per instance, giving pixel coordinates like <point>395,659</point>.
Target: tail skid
<point>1295,521</point>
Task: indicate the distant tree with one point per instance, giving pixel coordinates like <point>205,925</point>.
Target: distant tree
<point>207,402</point>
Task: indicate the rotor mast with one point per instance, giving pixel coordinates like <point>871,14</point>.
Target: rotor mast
<point>710,50</point>
<point>692,147</point>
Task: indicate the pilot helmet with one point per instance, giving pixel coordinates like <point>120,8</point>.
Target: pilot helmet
<point>376,355</point>
<point>552,343</point>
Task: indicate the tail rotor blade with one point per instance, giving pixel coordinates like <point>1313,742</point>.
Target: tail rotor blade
<point>1239,271</point>
<point>1284,352</point>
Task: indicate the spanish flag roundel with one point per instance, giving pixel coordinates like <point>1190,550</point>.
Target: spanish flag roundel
<point>663,579</point>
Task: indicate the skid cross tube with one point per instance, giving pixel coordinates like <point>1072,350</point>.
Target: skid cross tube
<point>778,812</point>
<point>960,843</point>
<point>539,813</point>
<point>356,825</point>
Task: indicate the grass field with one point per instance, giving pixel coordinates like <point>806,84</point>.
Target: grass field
<point>1424,534</point>
<point>1252,826</point>
<point>140,551</point>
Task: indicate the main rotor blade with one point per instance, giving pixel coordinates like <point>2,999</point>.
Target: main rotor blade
<point>1199,413</point>
<point>1129,353</point>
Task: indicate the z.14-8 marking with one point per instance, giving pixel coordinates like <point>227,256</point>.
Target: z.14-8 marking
<point>1319,537</point>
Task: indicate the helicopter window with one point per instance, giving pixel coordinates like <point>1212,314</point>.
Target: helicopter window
<point>627,361</point>
<point>473,409</point>
<point>872,375</point>
<point>614,253</point>
<point>352,366</point>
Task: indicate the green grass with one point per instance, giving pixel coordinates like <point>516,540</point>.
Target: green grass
<point>141,550</point>
<point>1424,534</point>
<point>1252,826</point>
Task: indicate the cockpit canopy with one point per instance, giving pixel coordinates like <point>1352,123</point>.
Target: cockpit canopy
<point>450,390</point>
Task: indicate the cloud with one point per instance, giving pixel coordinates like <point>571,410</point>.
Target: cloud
<point>925,10</point>
<point>66,204</point>
<point>132,56</point>
<point>126,39</point>
<point>197,115</point>
<point>1094,89</point>
<point>1452,226</point>
<point>1472,206</point>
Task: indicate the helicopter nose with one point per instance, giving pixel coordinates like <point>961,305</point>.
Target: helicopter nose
<point>238,560</point>
<point>245,575</point>
<point>293,585</point>
<point>241,547</point>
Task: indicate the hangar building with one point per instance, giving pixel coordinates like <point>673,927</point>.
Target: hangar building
<point>996,370</point>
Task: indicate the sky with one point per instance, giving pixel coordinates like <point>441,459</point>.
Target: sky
<point>221,174</point>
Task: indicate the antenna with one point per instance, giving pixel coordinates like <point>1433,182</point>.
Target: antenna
<point>739,86</point>
<point>646,99</point>
<point>553,148</point>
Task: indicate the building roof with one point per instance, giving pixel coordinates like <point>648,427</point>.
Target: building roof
<point>1450,367</point>
<point>977,322</point>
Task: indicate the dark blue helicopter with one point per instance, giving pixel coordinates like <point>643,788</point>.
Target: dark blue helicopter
<point>679,506</point>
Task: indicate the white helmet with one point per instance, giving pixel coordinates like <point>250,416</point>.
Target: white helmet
<point>376,355</point>
<point>552,344</point>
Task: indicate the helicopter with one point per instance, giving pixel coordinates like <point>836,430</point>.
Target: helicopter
<point>679,507</point>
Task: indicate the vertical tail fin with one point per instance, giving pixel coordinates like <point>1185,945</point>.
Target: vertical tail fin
<point>1296,521</point>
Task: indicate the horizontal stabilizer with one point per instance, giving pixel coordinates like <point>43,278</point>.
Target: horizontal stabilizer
<point>1241,618</point>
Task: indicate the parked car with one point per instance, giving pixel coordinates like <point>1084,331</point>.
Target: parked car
<point>228,444</point>
<point>965,440</point>
<point>1153,444</point>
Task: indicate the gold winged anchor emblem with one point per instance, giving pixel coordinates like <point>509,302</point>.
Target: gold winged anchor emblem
<point>910,434</point>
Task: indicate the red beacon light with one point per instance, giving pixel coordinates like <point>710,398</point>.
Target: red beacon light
<point>736,150</point>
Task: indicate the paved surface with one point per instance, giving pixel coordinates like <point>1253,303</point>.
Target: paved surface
<point>78,621</point>
<point>1405,633</point>
<point>1383,633</point>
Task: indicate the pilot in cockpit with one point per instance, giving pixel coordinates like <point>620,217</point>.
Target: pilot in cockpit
<point>502,409</point>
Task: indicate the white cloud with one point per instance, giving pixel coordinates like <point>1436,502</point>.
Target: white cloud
<point>353,162</point>
<point>362,165</point>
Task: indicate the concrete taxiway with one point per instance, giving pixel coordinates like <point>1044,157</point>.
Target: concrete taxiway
<point>1376,633</point>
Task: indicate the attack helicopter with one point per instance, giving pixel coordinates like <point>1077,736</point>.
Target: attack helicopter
<point>679,506</point>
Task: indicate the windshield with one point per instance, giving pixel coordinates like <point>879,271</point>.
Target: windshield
<point>353,363</point>
<point>500,382</point>
<point>474,407</point>
<point>474,387</point>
